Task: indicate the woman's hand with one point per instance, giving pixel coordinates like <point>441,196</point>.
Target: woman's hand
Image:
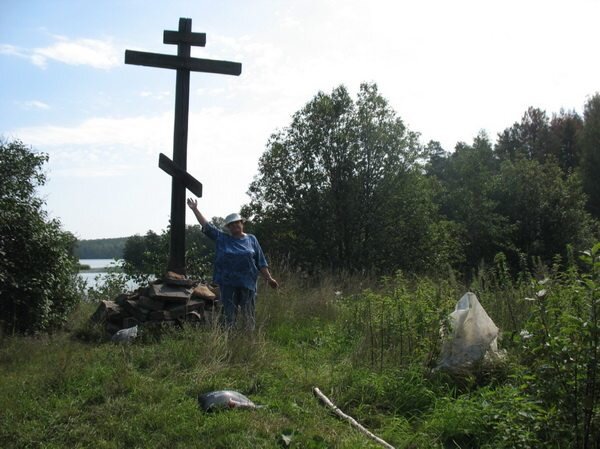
<point>272,283</point>
<point>267,275</point>
<point>192,203</point>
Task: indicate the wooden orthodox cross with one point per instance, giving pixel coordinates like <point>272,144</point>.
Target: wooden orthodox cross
<point>181,179</point>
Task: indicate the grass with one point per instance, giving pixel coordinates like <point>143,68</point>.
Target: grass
<point>370,351</point>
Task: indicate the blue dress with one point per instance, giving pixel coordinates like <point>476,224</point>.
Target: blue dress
<point>237,260</point>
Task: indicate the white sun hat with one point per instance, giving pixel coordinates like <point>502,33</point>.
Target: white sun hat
<point>233,217</point>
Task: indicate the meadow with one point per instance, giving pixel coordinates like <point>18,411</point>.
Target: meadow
<point>370,344</point>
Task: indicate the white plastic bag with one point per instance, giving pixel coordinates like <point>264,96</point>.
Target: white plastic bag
<point>473,336</point>
<point>125,335</point>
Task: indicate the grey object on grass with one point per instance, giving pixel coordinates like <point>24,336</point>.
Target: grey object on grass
<point>125,335</point>
<point>224,399</point>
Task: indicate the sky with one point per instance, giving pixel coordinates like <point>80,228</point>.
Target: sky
<point>448,68</point>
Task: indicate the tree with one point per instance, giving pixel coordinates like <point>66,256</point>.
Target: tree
<point>539,138</point>
<point>530,138</point>
<point>590,154</point>
<point>337,188</point>
<point>565,128</point>
<point>148,255</point>
<point>100,248</point>
<point>37,267</point>
<point>468,183</point>
<point>306,181</point>
<point>517,205</point>
<point>546,210</point>
<point>437,159</point>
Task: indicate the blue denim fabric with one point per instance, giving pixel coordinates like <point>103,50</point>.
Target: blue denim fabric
<point>237,260</point>
<point>231,298</point>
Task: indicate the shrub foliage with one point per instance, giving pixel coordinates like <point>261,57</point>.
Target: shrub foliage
<point>37,269</point>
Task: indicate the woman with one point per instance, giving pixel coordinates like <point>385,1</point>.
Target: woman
<point>238,261</point>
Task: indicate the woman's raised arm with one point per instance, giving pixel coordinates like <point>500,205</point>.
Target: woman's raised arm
<point>193,204</point>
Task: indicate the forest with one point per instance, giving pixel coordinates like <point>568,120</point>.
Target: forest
<point>100,248</point>
<point>348,187</point>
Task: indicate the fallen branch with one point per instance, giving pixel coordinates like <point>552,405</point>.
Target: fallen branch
<point>354,423</point>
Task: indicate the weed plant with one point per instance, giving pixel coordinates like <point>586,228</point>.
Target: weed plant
<point>369,345</point>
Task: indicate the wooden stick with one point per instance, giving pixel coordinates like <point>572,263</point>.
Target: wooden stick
<point>354,423</point>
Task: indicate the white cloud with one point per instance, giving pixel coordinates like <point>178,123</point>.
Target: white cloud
<point>223,149</point>
<point>214,92</point>
<point>94,171</point>
<point>448,68</point>
<point>99,54</point>
<point>34,104</point>
<point>144,133</point>
<point>7,49</point>
<point>161,95</point>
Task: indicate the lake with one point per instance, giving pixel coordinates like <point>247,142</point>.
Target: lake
<point>97,274</point>
<point>98,263</point>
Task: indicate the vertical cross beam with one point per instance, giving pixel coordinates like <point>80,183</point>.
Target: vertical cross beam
<point>182,106</point>
<point>177,168</point>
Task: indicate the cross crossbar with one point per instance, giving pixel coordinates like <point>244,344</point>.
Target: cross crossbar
<point>177,62</point>
<point>181,180</point>
<point>191,183</point>
<point>177,37</point>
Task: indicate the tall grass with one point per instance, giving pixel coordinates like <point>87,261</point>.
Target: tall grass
<point>370,344</point>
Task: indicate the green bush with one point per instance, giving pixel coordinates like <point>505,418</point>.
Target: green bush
<point>400,324</point>
<point>561,348</point>
<point>147,255</point>
<point>38,280</point>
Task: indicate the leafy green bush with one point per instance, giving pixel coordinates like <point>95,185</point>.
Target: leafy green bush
<point>147,255</point>
<point>400,324</point>
<point>38,280</point>
<point>561,348</point>
<point>109,286</point>
<point>492,417</point>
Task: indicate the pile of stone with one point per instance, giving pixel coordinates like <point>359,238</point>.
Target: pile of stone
<point>171,301</point>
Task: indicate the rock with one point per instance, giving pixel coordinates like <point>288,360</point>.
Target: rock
<point>165,315</point>
<point>194,317</point>
<point>112,328</point>
<point>135,310</point>
<point>189,283</point>
<point>176,279</point>
<point>210,305</point>
<point>190,306</point>
<point>149,303</point>
<point>160,315</point>
<point>169,293</point>
<point>126,296</point>
<point>173,312</point>
<point>155,305</point>
<point>107,311</point>
<point>215,289</point>
<point>202,291</point>
<point>142,291</point>
<point>121,298</point>
<point>130,322</point>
